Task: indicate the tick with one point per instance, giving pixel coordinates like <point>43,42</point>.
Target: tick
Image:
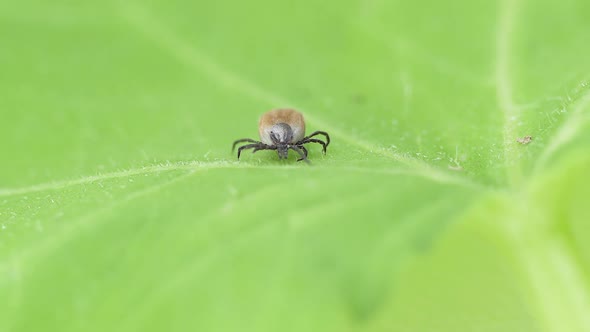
<point>283,130</point>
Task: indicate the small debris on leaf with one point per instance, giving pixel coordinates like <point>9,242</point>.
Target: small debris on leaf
<point>524,140</point>
<point>456,168</point>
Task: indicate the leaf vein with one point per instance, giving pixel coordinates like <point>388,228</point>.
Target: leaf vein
<point>432,174</point>
<point>504,90</point>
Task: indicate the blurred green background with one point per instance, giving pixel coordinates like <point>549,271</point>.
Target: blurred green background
<point>122,207</point>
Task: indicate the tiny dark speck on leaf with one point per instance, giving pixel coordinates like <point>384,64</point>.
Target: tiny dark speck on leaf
<point>359,99</point>
<point>524,140</point>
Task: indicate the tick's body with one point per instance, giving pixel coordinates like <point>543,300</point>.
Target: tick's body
<point>287,116</point>
<point>281,130</point>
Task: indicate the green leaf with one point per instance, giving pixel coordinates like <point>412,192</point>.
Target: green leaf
<point>122,207</point>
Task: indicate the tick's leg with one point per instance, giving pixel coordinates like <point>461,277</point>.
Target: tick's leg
<point>304,152</point>
<point>263,147</point>
<point>249,140</point>
<point>301,154</point>
<point>315,133</point>
<point>313,140</point>
<point>248,146</point>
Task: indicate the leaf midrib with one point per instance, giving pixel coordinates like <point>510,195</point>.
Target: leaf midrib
<point>433,174</point>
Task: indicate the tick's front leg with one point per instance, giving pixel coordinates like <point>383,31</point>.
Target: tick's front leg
<point>249,140</point>
<point>301,153</point>
<point>304,152</point>
<point>247,146</point>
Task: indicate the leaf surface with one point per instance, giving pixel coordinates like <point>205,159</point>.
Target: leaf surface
<point>122,207</point>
